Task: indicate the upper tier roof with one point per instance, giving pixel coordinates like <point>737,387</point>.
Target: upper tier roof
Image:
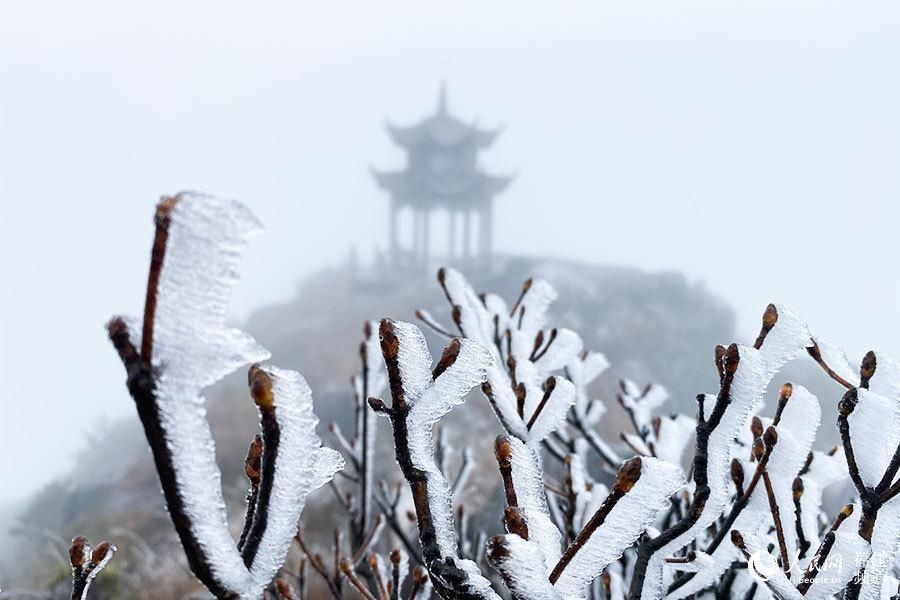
<point>442,129</point>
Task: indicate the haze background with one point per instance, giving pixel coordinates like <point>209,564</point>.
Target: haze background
<point>754,146</point>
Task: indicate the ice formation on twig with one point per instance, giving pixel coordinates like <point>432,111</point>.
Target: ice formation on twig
<point>87,563</point>
<point>183,346</point>
<point>744,373</point>
<point>420,397</point>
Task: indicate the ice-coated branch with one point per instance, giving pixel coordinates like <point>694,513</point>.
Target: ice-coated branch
<point>533,569</point>
<point>641,491</point>
<point>744,374</point>
<point>419,398</point>
<point>387,504</point>
<point>87,564</point>
<point>529,401</point>
<point>359,449</point>
<point>183,346</point>
<point>332,578</point>
<point>869,424</point>
<point>253,471</point>
<point>369,382</point>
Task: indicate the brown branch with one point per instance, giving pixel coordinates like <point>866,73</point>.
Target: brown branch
<point>549,386</point>
<point>345,445</point>
<point>315,561</point>
<point>610,461</point>
<point>503,452</point>
<point>797,492</point>
<point>253,470</point>
<point>390,516</point>
<point>427,319</point>
<point>816,355</point>
<point>419,577</point>
<point>770,317</point>
<point>380,583</point>
<point>162,219</point>
<point>628,475</point>
<point>449,579</point>
<point>365,475</point>
<point>525,287</point>
<point>776,519</point>
<point>762,448</point>
<point>395,574</point>
<point>350,574</point>
<point>845,408</point>
<point>727,361</point>
<point>263,395</point>
<point>815,563</point>
<point>141,384</point>
<point>536,355</point>
<point>784,394</point>
<point>370,539</point>
<point>738,540</point>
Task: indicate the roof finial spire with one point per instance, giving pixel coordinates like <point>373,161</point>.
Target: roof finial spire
<point>442,94</point>
<point>442,97</point>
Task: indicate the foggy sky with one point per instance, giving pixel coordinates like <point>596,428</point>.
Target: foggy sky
<point>752,145</point>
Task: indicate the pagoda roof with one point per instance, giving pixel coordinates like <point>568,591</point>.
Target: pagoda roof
<point>441,129</point>
<point>476,185</point>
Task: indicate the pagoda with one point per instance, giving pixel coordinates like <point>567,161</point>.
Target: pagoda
<point>442,173</point>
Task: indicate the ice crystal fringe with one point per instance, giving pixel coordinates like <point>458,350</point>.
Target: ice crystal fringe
<point>629,516</point>
<point>746,372</point>
<point>185,346</point>
<point>420,397</point>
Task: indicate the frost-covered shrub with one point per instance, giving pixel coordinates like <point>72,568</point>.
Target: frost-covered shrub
<point>747,521</point>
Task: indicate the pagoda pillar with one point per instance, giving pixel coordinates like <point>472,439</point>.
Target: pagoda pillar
<point>426,241</point>
<point>486,227</point>
<point>417,236</point>
<point>393,231</point>
<point>417,232</point>
<point>451,233</point>
<point>467,240</point>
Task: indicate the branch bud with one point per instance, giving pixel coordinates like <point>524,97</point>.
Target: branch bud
<point>253,462</point>
<point>515,522</point>
<point>770,437</point>
<point>628,475</point>
<point>496,552</point>
<point>448,357</point>
<point>261,388</point>
<point>848,402</point>
<point>100,552</point>
<point>731,359</point>
<point>867,368</point>
<point>79,551</point>
<point>285,589</point>
<point>503,451</point>
<point>346,567</point>
<point>420,575</point>
<point>378,405</point>
<point>786,390</point>
<point>756,426</point>
<point>759,448</point>
<point>737,475</point>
